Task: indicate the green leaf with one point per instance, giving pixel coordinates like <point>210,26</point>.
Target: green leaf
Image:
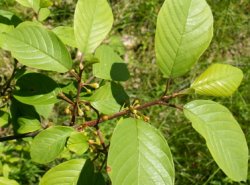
<point>66,34</point>
<point>27,125</point>
<point>139,155</point>
<point>48,144</point>
<point>92,22</point>
<point>5,181</point>
<point>37,47</point>
<point>36,89</point>
<point>45,3</point>
<point>4,118</point>
<point>35,4</point>
<point>184,31</point>
<point>224,137</point>
<point>78,143</point>
<point>44,110</point>
<point>218,80</point>
<point>66,173</point>
<point>9,18</point>
<point>109,98</point>
<point>43,14</point>
<point>111,66</point>
<point>88,175</point>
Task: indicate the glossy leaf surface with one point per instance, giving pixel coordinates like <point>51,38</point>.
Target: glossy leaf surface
<point>110,66</point>
<point>109,98</point>
<point>224,137</point>
<point>92,22</point>
<point>39,48</point>
<point>78,143</point>
<point>66,34</point>
<point>184,31</point>
<point>36,89</point>
<point>27,125</point>
<point>218,80</point>
<point>139,155</point>
<point>48,144</point>
<point>66,173</point>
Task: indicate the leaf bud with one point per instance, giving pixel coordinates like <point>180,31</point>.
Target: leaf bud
<point>94,85</point>
<point>105,118</point>
<point>80,112</point>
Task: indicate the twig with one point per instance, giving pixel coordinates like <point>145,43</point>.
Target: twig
<point>14,137</point>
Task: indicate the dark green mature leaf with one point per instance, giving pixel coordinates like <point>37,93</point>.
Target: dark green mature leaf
<point>88,175</point>
<point>92,22</point>
<point>111,66</point>
<point>9,18</point>
<point>110,98</point>
<point>66,34</point>
<point>184,31</point>
<point>6,181</point>
<point>37,47</point>
<point>224,137</point>
<point>218,80</point>
<point>4,117</point>
<point>27,125</point>
<point>48,144</point>
<point>36,89</point>
<point>78,143</point>
<point>66,173</point>
<point>139,155</point>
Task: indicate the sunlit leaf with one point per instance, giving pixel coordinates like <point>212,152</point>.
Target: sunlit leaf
<point>44,110</point>
<point>78,143</point>
<point>66,34</point>
<point>184,31</point>
<point>218,80</point>
<point>27,125</point>
<point>139,155</point>
<point>224,137</point>
<point>110,66</point>
<point>9,18</point>
<point>92,22</point>
<point>36,89</point>
<point>39,48</point>
<point>66,173</point>
<point>43,14</point>
<point>5,181</point>
<point>4,117</point>
<point>35,4</point>
<point>48,144</point>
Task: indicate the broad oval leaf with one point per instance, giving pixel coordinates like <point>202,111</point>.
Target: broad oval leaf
<point>218,80</point>
<point>35,4</point>
<point>27,125</point>
<point>43,14</point>
<point>110,66</point>
<point>78,143</point>
<point>4,118</point>
<point>5,181</point>
<point>184,31</point>
<point>66,173</point>
<point>110,98</point>
<point>139,155</point>
<point>39,48</point>
<point>224,137</point>
<point>48,144</point>
<point>66,34</point>
<point>36,89</point>
<point>93,20</point>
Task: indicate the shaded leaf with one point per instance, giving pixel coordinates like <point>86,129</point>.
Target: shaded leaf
<point>109,98</point>
<point>37,47</point>
<point>9,18</point>
<point>78,143</point>
<point>27,125</point>
<point>66,173</point>
<point>92,22</point>
<point>36,89</point>
<point>184,31</point>
<point>139,155</point>
<point>48,144</point>
<point>224,137</point>
<point>111,66</point>
<point>218,80</point>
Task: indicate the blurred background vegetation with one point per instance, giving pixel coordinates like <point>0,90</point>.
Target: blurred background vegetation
<point>133,38</point>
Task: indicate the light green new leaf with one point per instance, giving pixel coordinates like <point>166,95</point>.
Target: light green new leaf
<point>109,98</point>
<point>37,47</point>
<point>224,137</point>
<point>4,117</point>
<point>44,110</point>
<point>66,173</point>
<point>139,155</point>
<point>218,80</point>
<point>184,31</point>
<point>78,143</point>
<point>5,181</point>
<point>36,89</point>
<point>35,4</point>
<point>27,125</point>
<point>48,144</point>
<point>66,34</point>
<point>43,14</point>
<point>111,66</point>
<point>92,22</point>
